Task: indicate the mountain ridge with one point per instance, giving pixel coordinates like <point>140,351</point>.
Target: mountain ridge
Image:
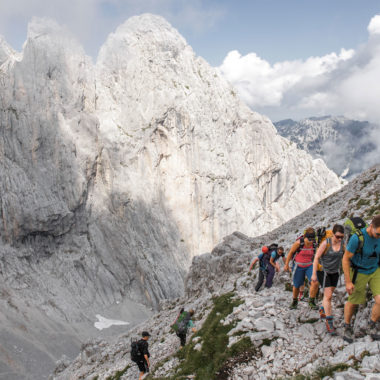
<point>114,175</point>
<point>275,333</point>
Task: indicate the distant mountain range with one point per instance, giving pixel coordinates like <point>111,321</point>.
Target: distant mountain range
<point>347,146</point>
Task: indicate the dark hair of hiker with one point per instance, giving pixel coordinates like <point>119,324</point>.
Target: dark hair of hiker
<point>338,228</point>
<point>309,230</point>
<point>191,312</point>
<point>376,221</point>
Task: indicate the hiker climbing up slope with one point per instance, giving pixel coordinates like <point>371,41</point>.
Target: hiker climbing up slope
<point>329,253</point>
<point>303,249</point>
<point>140,354</point>
<point>265,268</point>
<point>182,325</point>
<point>361,266</point>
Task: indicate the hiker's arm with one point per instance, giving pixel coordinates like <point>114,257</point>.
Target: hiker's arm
<point>294,248</point>
<point>318,255</point>
<point>147,359</point>
<point>346,264</point>
<point>191,324</point>
<point>255,260</point>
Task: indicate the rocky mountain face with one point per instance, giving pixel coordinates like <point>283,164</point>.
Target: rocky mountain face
<point>242,334</point>
<point>114,175</point>
<point>347,146</point>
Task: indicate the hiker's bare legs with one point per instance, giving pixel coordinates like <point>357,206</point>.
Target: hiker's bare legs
<point>295,292</point>
<point>141,375</point>
<point>327,295</point>
<point>375,315</point>
<point>349,310</point>
<point>313,289</point>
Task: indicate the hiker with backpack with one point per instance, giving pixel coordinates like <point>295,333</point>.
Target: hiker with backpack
<point>329,254</point>
<point>361,266</point>
<point>266,270</point>
<point>182,325</point>
<point>276,253</point>
<point>140,354</point>
<point>303,251</point>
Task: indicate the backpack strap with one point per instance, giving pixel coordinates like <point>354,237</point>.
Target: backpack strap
<point>359,250</point>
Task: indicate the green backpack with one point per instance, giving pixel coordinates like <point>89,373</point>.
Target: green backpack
<point>177,324</point>
<point>353,226</point>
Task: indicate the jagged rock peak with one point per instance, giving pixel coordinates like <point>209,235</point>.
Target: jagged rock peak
<point>6,51</point>
<point>151,27</point>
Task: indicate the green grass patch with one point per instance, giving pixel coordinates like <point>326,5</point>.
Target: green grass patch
<point>214,354</point>
<point>321,372</point>
<point>363,202</point>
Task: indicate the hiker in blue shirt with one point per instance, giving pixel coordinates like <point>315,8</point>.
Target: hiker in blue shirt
<point>265,268</point>
<point>275,255</point>
<point>362,267</point>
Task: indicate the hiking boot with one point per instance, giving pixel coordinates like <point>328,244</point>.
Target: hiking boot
<point>330,326</point>
<point>312,304</point>
<point>294,304</point>
<point>373,330</point>
<point>322,313</point>
<point>348,335</point>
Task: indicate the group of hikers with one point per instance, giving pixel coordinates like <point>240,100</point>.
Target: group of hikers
<point>319,256</point>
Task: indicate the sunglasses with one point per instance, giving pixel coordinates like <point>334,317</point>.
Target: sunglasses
<point>340,237</point>
<point>310,236</point>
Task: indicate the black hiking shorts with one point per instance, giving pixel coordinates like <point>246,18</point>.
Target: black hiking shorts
<point>331,279</point>
<point>143,366</point>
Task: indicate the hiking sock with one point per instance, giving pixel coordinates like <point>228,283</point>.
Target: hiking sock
<point>373,331</point>
<point>300,296</point>
<point>322,313</point>
<point>312,304</point>
<point>330,325</point>
<point>348,335</point>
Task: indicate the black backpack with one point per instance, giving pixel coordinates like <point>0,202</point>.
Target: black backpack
<point>136,355</point>
<point>273,247</point>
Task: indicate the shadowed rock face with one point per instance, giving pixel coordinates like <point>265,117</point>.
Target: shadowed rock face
<point>113,176</point>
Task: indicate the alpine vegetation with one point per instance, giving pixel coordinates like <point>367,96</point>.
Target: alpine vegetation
<point>246,334</point>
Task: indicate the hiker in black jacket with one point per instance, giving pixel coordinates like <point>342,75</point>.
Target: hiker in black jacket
<point>144,363</point>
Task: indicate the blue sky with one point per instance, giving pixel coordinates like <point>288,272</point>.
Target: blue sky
<point>287,58</point>
<point>276,30</point>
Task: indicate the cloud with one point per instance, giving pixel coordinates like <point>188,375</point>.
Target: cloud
<point>343,83</point>
<point>92,20</point>
<point>374,25</point>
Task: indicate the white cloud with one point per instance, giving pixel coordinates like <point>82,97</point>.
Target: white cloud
<point>374,25</point>
<point>343,83</point>
<point>92,20</point>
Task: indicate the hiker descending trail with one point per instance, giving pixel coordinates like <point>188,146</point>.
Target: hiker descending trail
<point>361,266</point>
<point>329,254</point>
<point>182,325</point>
<point>304,250</point>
